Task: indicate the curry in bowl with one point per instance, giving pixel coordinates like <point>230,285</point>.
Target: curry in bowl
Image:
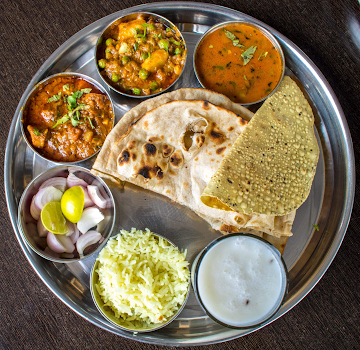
<point>240,60</point>
<point>67,118</point>
<point>141,54</point>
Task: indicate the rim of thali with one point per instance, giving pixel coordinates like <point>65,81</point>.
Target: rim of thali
<point>228,334</point>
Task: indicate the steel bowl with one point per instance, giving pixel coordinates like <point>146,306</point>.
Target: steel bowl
<point>196,265</point>
<point>27,224</point>
<point>43,83</point>
<point>109,314</point>
<point>100,47</point>
<point>261,29</point>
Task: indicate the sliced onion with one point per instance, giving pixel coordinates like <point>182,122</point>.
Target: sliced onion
<point>90,217</point>
<point>42,231</point>
<point>44,196</point>
<point>57,182</point>
<point>72,180</point>
<point>75,235</point>
<point>54,244</point>
<point>34,209</point>
<point>88,202</point>
<point>71,228</point>
<point>97,197</point>
<point>86,240</point>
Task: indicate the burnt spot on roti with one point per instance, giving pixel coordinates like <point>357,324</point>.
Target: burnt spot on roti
<point>228,229</point>
<point>231,128</point>
<point>176,159</point>
<point>242,121</point>
<point>150,149</point>
<point>133,156</point>
<point>145,172</point>
<point>146,125</point>
<point>220,150</point>
<point>167,150</point>
<point>131,144</point>
<point>124,157</point>
<point>216,135</point>
<point>154,139</point>
<point>206,105</point>
<point>159,173</point>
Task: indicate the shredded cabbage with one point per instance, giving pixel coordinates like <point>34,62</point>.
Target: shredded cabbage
<point>142,277</point>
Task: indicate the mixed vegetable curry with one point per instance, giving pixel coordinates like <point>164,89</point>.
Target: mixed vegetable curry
<point>141,56</point>
<point>239,61</point>
<point>68,119</point>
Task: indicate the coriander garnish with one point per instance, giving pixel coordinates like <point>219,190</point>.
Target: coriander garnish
<point>262,55</point>
<point>37,132</point>
<point>91,124</point>
<point>316,227</point>
<point>235,40</point>
<point>62,120</point>
<point>54,98</point>
<point>248,54</point>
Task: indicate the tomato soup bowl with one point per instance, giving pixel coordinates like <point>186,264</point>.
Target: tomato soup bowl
<point>81,132</point>
<point>241,60</point>
<point>28,226</point>
<point>131,51</point>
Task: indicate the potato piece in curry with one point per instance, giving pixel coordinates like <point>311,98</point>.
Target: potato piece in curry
<point>141,56</point>
<point>67,119</point>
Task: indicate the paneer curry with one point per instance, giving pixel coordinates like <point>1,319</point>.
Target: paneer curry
<point>141,56</point>
<point>67,119</point>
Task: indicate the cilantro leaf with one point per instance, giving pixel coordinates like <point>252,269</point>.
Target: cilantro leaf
<point>316,227</point>
<point>37,132</point>
<point>92,126</point>
<point>54,98</point>
<point>235,40</point>
<point>86,91</point>
<point>66,87</point>
<point>62,120</point>
<point>248,54</point>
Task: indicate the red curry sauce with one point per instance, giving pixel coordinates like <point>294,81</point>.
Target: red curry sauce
<point>239,61</point>
<point>67,119</point>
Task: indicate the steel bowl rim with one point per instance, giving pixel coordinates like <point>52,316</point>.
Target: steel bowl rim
<point>99,40</point>
<point>24,196</point>
<point>42,83</point>
<point>265,32</point>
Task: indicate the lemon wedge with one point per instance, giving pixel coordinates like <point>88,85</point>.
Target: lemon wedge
<point>72,203</point>
<point>53,219</point>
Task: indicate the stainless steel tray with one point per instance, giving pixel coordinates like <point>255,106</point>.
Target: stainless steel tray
<point>308,253</point>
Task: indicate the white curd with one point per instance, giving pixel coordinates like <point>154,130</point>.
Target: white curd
<point>241,281</point>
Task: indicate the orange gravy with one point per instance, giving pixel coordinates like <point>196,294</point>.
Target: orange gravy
<point>240,62</point>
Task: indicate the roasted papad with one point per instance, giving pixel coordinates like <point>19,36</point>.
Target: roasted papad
<point>270,168</point>
<point>173,144</point>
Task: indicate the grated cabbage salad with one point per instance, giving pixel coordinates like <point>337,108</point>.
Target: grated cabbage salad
<point>142,277</point>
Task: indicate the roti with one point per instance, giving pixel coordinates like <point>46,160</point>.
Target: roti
<point>174,147</point>
<point>270,168</point>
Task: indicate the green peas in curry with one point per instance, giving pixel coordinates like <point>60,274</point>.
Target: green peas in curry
<point>141,56</point>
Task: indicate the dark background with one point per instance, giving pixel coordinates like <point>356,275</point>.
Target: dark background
<point>328,31</point>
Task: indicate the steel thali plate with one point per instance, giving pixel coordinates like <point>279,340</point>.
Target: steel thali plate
<point>308,252</point>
